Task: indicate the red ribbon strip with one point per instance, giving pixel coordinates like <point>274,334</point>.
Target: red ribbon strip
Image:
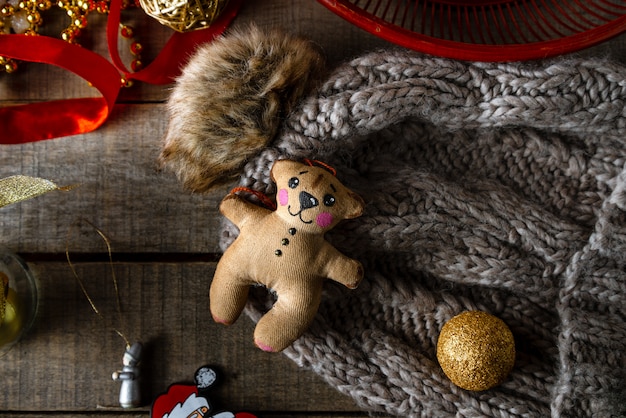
<point>38,121</point>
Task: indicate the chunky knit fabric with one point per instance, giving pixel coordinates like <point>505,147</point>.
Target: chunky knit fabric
<point>498,187</point>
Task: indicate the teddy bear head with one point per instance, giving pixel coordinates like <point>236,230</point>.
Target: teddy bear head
<point>311,198</point>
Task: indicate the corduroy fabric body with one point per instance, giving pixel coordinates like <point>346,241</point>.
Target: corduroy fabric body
<point>498,187</point>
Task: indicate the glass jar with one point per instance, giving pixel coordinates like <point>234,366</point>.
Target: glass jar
<point>19,288</point>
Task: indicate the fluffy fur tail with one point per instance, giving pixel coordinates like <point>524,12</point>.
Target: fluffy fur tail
<point>230,100</point>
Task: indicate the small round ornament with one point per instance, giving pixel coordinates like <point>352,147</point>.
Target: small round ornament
<point>4,292</point>
<point>19,288</point>
<point>476,350</point>
<point>184,15</point>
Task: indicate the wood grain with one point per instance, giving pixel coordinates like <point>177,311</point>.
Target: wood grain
<point>120,189</point>
<point>66,360</point>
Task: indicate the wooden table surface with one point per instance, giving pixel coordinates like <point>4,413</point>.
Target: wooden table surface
<point>164,243</point>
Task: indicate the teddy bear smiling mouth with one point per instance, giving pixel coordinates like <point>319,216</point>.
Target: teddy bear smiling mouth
<point>298,214</point>
<point>307,201</point>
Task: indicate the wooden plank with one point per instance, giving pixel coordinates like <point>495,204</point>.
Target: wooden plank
<point>66,360</point>
<point>121,190</point>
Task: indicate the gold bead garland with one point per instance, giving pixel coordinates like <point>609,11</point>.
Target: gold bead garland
<point>476,350</point>
<point>135,47</point>
<point>24,17</point>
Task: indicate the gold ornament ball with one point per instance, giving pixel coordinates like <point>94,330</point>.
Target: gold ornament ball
<point>10,66</point>
<point>184,15</point>
<point>4,291</point>
<point>476,350</point>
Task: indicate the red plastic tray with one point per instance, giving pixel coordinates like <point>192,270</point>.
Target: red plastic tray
<point>487,30</point>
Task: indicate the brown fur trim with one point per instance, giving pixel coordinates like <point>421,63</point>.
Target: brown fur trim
<point>230,100</point>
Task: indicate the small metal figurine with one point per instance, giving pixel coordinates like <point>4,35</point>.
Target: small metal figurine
<point>130,391</point>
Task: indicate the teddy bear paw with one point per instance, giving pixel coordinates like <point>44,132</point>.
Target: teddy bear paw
<point>359,273</point>
<point>264,347</point>
<point>221,321</point>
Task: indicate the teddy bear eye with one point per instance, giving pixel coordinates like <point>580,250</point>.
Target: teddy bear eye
<point>293,182</point>
<point>329,200</point>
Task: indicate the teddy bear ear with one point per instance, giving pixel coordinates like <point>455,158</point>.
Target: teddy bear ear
<point>355,207</point>
<point>282,166</point>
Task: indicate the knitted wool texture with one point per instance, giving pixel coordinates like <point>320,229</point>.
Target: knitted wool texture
<point>497,187</point>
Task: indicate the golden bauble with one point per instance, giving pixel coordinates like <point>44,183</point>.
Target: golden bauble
<point>476,350</point>
<point>10,66</point>
<point>184,15</point>
<point>13,319</point>
<point>4,291</point>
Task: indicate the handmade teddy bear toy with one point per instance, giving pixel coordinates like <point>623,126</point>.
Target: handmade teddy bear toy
<point>285,250</point>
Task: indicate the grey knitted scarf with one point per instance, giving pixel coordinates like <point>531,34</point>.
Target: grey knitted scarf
<point>497,187</point>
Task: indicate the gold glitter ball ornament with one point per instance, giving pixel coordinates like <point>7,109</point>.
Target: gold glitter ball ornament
<point>184,15</point>
<point>476,350</point>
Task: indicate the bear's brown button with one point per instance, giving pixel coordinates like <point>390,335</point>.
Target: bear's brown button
<point>292,231</point>
<point>278,253</point>
<point>285,241</point>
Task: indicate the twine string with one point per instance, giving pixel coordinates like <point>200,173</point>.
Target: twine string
<point>107,242</point>
<point>266,201</point>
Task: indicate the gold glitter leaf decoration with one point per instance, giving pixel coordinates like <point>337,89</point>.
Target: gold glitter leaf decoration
<point>17,188</point>
<point>476,350</point>
<point>184,15</point>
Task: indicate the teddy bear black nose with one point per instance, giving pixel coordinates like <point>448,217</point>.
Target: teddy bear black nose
<point>307,201</point>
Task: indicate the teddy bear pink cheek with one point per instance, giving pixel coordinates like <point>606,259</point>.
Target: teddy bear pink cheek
<point>283,197</point>
<point>324,219</point>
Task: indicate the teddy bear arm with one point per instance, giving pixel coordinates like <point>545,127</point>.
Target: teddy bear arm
<point>239,210</point>
<point>341,268</point>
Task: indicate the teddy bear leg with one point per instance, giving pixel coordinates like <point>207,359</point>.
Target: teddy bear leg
<point>283,324</point>
<point>227,297</point>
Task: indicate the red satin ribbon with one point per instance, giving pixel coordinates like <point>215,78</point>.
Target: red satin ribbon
<point>38,121</point>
